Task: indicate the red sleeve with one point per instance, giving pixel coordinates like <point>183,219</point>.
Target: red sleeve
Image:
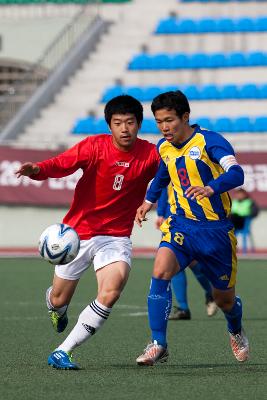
<point>68,162</point>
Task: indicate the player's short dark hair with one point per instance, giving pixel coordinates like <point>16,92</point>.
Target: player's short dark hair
<point>174,100</point>
<point>124,104</point>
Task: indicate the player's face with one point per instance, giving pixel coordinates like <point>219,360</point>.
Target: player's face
<point>174,129</point>
<point>124,129</point>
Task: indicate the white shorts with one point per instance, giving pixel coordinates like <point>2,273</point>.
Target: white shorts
<point>101,250</point>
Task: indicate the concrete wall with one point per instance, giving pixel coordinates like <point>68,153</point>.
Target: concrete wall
<point>22,226</point>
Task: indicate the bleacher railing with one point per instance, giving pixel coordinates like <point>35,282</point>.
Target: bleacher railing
<point>48,62</point>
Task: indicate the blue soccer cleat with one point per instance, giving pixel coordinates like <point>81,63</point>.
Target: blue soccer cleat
<point>59,322</point>
<point>59,359</point>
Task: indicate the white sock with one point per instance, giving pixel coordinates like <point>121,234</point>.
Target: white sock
<point>50,306</point>
<point>90,320</point>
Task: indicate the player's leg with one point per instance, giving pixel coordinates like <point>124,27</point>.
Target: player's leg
<point>58,297</point>
<point>231,305</point>
<point>66,278</point>
<point>112,276</point>
<point>159,306</point>
<point>179,286</point>
<point>197,270</point>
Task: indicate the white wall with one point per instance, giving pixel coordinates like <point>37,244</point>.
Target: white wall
<point>22,226</point>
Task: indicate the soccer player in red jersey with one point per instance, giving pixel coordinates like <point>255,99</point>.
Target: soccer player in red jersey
<point>116,171</point>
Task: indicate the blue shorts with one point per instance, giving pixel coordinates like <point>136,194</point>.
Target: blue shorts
<point>212,243</point>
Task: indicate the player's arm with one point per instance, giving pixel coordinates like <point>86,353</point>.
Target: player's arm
<point>161,180</point>
<point>162,207</point>
<point>220,151</point>
<point>62,165</point>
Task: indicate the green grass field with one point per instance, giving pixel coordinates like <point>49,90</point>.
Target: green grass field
<point>201,365</point>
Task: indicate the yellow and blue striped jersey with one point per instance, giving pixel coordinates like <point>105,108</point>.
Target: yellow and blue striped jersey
<point>195,162</point>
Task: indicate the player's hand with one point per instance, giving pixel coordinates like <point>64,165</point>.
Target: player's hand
<point>199,192</point>
<point>141,213</point>
<point>27,169</point>
<point>159,222</point>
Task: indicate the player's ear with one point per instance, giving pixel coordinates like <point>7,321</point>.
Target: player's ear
<point>185,117</point>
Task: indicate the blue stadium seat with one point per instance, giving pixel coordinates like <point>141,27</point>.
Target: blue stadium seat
<point>245,25</point>
<point>225,25</point>
<point>256,58</point>
<point>198,60</point>
<point>261,24</point>
<point>217,60</point>
<point>209,92</point>
<point>236,59</point>
<point>204,122</point>
<point>260,124</point>
<point>110,93</point>
<point>223,124</point>
<point>249,91</point>
<point>192,92</point>
<point>241,124</point>
<point>161,61</point>
<point>84,125</point>
<point>101,126</point>
<point>186,26</point>
<point>227,92</point>
<point>136,92</point>
<point>179,61</point>
<point>150,92</point>
<point>141,61</point>
<point>149,126</point>
<point>263,91</point>
<point>167,26</point>
<point>206,25</point>
<point>171,88</point>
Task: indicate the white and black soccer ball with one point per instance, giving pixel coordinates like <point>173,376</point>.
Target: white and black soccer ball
<point>59,244</point>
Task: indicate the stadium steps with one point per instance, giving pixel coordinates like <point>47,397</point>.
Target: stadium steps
<point>98,72</point>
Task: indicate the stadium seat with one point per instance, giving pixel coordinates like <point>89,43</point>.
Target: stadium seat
<point>236,59</point>
<point>206,25</point>
<point>204,123</point>
<point>179,61</point>
<point>223,124</point>
<point>150,92</point>
<point>256,58</point>
<point>110,93</point>
<point>161,61</point>
<point>149,126</point>
<point>241,124</point>
<point>136,92</point>
<point>227,92</point>
<point>225,25</point>
<point>260,124</point>
<point>217,60</point>
<point>186,26</point>
<point>101,126</point>
<point>167,26</point>
<point>249,91</point>
<point>261,24</point>
<point>209,92</point>
<point>84,125</point>
<point>263,91</point>
<point>141,61</point>
<point>245,25</point>
<point>198,60</point>
<point>192,92</point>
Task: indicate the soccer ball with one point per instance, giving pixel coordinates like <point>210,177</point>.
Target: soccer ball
<point>59,244</point>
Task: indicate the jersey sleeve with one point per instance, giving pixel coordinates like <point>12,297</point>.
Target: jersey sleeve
<point>161,180</point>
<point>218,147</point>
<point>163,203</point>
<point>68,162</point>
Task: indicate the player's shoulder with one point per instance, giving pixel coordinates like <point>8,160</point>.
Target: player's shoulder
<point>146,145</point>
<point>211,137</point>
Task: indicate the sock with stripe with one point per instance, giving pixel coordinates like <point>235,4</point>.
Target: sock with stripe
<point>234,317</point>
<point>159,306</point>
<point>59,310</point>
<point>90,320</point>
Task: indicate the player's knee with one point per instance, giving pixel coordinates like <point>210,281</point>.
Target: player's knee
<point>58,299</point>
<point>224,303</point>
<point>109,297</point>
<point>160,273</point>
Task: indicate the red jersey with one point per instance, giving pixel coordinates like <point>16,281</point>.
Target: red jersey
<point>112,187</point>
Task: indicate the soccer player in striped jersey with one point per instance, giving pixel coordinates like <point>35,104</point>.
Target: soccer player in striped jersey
<point>202,168</point>
<point>179,280</point>
<point>116,170</point>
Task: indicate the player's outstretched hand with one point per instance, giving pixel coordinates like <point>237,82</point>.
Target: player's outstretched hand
<point>141,213</point>
<point>199,192</point>
<point>27,169</point>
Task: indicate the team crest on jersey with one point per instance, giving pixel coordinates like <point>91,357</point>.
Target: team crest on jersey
<point>122,164</point>
<point>194,153</point>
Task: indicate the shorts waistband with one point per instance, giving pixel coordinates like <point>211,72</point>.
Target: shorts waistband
<point>203,224</point>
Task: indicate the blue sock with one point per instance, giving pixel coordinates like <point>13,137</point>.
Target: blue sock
<point>203,281</point>
<point>179,285</point>
<point>159,306</point>
<point>234,317</point>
